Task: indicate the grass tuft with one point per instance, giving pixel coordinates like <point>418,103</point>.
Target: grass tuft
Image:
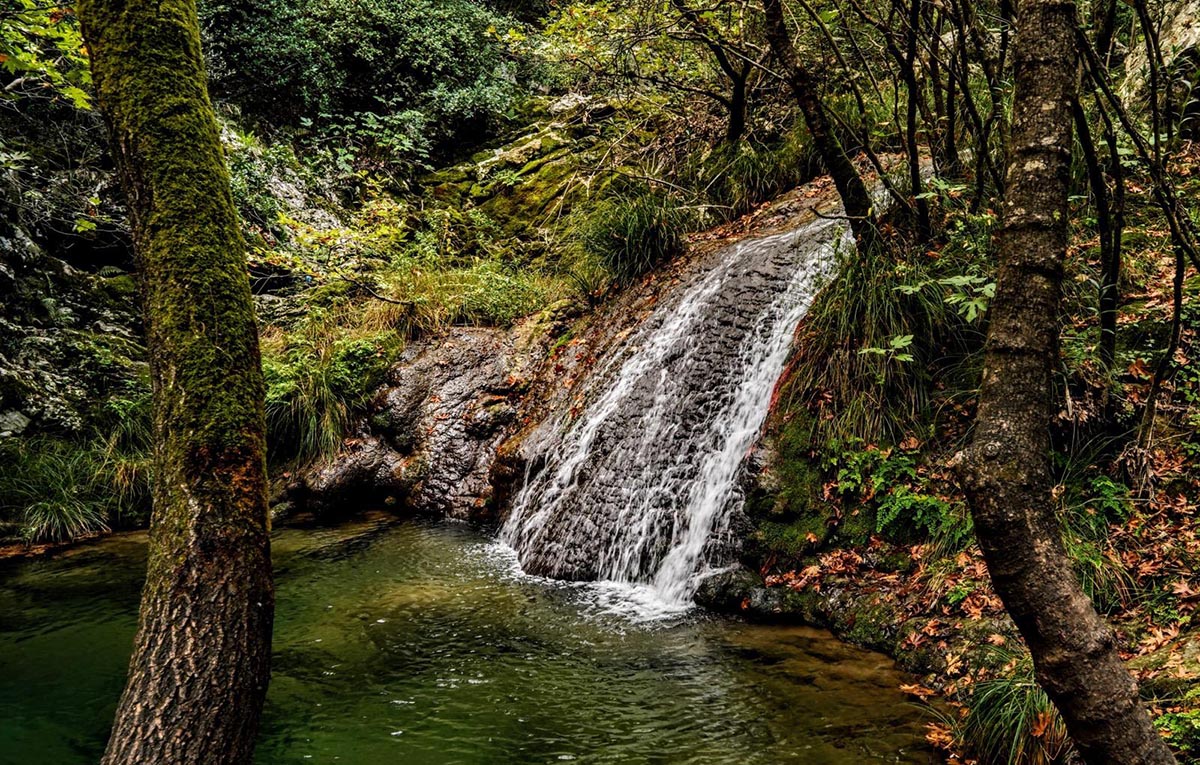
<point>633,234</point>
<point>317,377</point>
<point>60,489</point>
<point>865,349</point>
<point>1012,721</point>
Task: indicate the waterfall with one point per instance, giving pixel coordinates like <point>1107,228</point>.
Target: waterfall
<point>639,486</point>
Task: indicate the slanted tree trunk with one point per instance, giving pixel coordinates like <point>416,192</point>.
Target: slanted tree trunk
<point>200,665</point>
<point>1006,469</point>
<point>855,197</point>
<point>737,68</point>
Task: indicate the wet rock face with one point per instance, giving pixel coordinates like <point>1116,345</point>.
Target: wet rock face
<point>649,450</point>
<point>447,412</point>
<point>640,482</point>
<point>434,429</point>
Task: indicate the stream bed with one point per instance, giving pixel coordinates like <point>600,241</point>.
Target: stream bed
<point>423,643</point>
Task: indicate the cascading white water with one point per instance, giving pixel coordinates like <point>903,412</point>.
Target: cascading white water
<point>638,486</point>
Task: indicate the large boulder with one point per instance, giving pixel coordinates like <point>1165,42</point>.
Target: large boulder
<point>431,439</point>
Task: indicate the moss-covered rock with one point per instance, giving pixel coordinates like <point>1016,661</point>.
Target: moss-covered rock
<point>786,503</point>
<point>741,591</point>
<point>728,591</point>
<point>871,620</point>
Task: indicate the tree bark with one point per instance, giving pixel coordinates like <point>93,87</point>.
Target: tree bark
<point>855,198</point>
<point>908,66</point>
<point>736,127</point>
<point>199,671</point>
<point>1006,469</point>
<point>1104,19</point>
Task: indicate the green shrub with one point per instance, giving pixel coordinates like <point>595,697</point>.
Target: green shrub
<point>42,52</point>
<point>316,380</point>
<point>907,507</point>
<point>632,235</point>
<point>587,272</point>
<point>127,467</point>
<point>887,326</point>
<point>402,78</point>
<point>57,489</point>
<point>251,169</point>
<point>868,347</point>
<point>487,293</point>
<point>325,370</point>
<point>740,177</point>
<point>62,519</point>
<point>1182,731</point>
<point>495,295</point>
<point>1090,507</point>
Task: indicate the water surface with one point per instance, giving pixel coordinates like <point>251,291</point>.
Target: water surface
<point>423,644</point>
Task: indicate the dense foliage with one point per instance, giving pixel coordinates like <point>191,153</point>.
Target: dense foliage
<point>405,82</point>
<point>42,52</point>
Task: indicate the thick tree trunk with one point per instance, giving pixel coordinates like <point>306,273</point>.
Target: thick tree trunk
<point>200,666</point>
<point>855,197</point>
<point>1006,469</point>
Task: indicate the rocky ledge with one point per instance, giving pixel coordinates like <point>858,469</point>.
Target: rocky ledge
<point>431,436</point>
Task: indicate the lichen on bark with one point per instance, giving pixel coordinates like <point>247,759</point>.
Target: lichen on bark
<point>201,661</point>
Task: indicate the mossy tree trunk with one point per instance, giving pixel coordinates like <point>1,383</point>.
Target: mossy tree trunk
<point>200,666</point>
<point>1006,469</point>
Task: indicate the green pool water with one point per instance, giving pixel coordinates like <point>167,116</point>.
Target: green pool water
<point>412,643</point>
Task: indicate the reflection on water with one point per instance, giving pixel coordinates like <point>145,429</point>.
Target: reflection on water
<point>421,644</point>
